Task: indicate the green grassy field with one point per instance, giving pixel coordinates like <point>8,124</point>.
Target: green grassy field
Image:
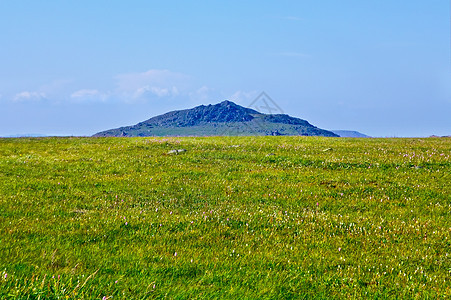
<point>233,217</point>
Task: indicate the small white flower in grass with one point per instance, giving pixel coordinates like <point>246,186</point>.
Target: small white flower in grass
<point>339,249</point>
<point>175,254</point>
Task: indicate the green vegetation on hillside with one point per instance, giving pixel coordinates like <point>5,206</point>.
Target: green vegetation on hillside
<point>232,217</point>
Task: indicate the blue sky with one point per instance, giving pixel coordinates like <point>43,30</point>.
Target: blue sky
<point>382,67</point>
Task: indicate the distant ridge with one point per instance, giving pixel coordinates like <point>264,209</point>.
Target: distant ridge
<point>222,119</point>
<point>350,133</point>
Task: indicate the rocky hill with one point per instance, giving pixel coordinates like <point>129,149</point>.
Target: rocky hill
<point>223,119</point>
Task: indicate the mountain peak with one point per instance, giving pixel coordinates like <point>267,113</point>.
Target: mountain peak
<point>227,102</point>
<point>230,105</point>
<point>224,118</point>
<point>223,112</point>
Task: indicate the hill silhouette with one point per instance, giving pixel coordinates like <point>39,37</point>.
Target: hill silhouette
<point>222,119</point>
<point>350,133</point>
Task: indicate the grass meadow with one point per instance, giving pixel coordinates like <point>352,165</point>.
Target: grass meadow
<point>230,218</point>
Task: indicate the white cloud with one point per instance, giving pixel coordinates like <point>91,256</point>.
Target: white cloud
<point>243,97</point>
<point>29,96</point>
<point>88,95</point>
<point>155,90</point>
<point>159,83</point>
<point>84,93</point>
<point>203,94</point>
<point>137,87</point>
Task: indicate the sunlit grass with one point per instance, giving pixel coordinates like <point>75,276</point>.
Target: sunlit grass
<point>236,217</point>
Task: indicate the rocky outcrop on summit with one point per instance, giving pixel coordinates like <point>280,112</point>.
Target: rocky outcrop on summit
<point>224,112</point>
